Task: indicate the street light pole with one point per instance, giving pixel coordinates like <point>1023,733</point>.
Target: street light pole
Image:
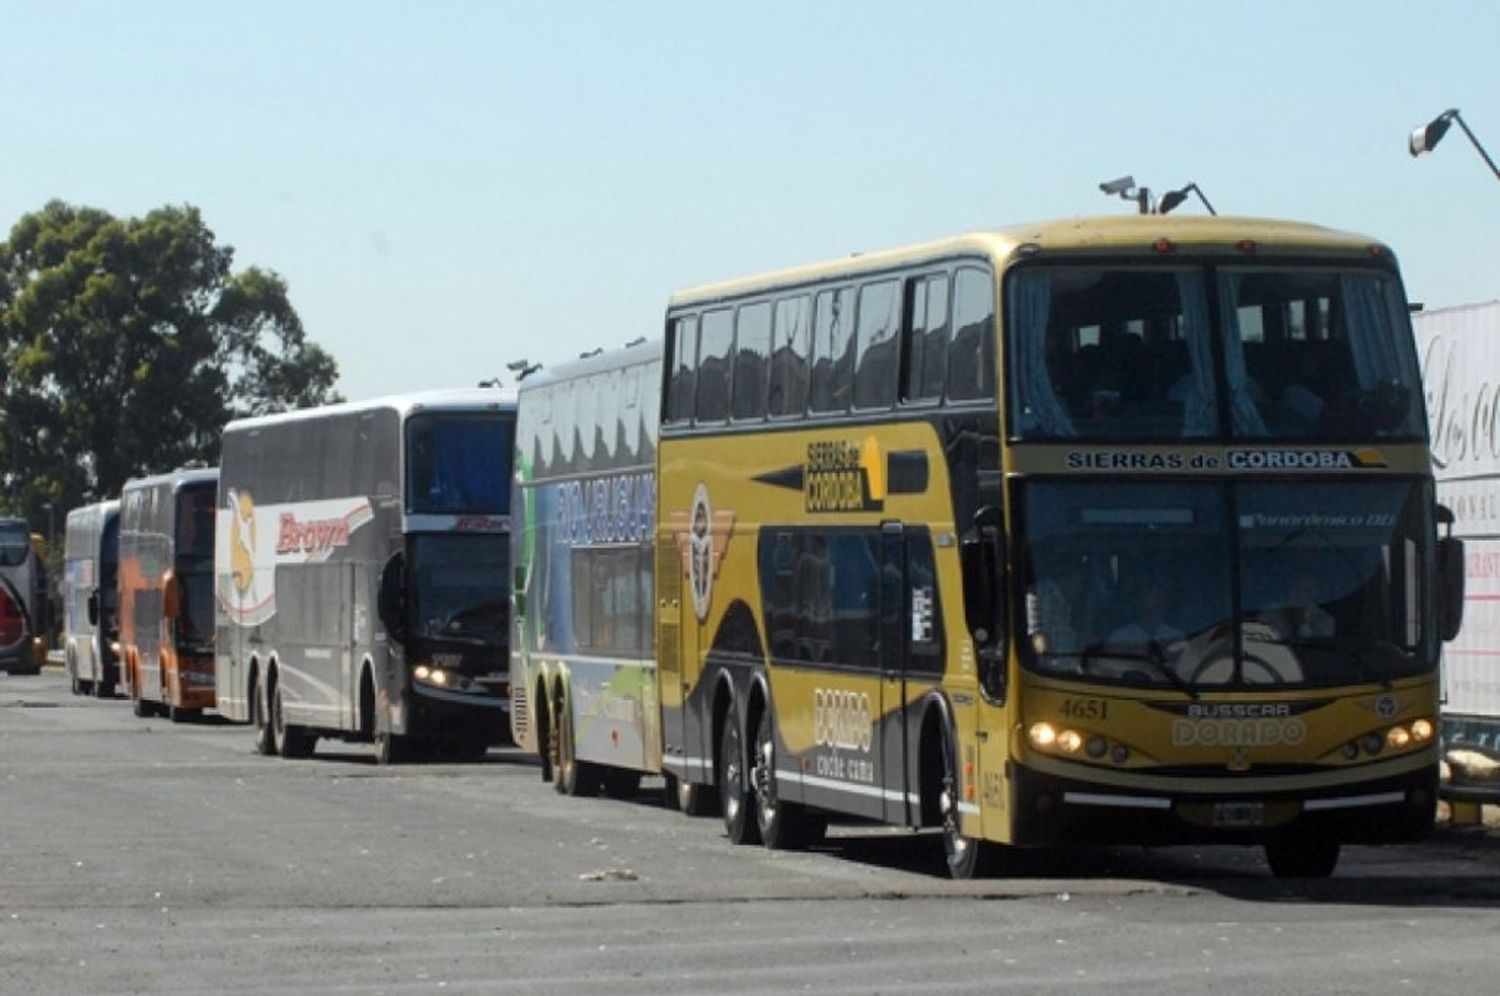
<point>1424,138</point>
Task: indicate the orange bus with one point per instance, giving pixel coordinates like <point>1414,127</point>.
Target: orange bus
<point>166,592</point>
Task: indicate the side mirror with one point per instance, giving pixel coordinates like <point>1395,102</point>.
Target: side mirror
<point>982,554</point>
<point>94,607</point>
<point>1450,576</point>
<point>171,596</point>
<point>391,602</point>
<point>1450,566</point>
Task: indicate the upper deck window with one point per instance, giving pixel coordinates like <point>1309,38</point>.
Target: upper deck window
<point>752,356</point>
<point>458,464</point>
<point>879,328</point>
<point>714,352</point>
<point>927,360</point>
<point>1318,353</point>
<point>971,357</point>
<point>791,348</point>
<point>1110,352</point>
<point>833,351</point>
<point>1303,353</point>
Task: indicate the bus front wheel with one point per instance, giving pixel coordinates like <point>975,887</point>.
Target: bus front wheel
<point>966,857</point>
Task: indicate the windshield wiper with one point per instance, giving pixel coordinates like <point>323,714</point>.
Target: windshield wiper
<point>1153,656</point>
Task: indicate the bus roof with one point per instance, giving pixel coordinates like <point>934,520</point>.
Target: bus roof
<point>635,354</point>
<point>451,399</point>
<point>1105,234</point>
<point>179,478</point>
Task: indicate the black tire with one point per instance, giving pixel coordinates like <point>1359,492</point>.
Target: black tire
<point>966,857</point>
<point>265,743</point>
<point>1302,857</point>
<point>393,748</point>
<point>140,706</point>
<point>76,685</point>
<point>291,741</point>
<point>573,777</point>
<point>620,783</point>
<point>104,689</point>
<point>177,714</point>
<point>689,799</point>
<point>735,795</point>
<point>782,825</point>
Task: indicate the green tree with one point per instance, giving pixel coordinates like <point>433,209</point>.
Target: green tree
<point>126,344</point>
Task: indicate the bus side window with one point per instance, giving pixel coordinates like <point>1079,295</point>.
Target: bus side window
<point>879,320</point>
<point>833,351</point>
<point>928,332</point>
<point>752,356</point>
<point>714,356</point>
<point>789,355</point>
<point>684,369</point>
<point>971,359</point>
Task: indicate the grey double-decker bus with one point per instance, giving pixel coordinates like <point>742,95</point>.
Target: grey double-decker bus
<point>362,562</point>
<point>91,625</point>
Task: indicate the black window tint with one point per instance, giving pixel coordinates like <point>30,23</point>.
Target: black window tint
<point>927,352</point>
<point>879,319</point>
<point>716,337</point>
<point>924,651</point>
<point>752,357</point>
<point>789,355</point>
<point>971,358</point>
<point>833,351</point>
<point>683,387</point>
<point>856,596</point>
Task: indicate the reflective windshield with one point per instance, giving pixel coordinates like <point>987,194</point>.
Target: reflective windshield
<point>195,529</point>
<point>109,571</point>
<point>1137,352</point>
<point>15,543</point>
<point>1137,583</point>
<point>459,464</point>
<point>195,627</point>
<point>459,587</point>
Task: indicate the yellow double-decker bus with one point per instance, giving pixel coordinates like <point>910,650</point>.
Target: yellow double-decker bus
<point>1101,530</point>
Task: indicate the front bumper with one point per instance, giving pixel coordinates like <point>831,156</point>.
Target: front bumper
<point>1049,809</point>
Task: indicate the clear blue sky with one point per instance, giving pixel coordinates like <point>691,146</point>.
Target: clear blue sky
<point>450,186</point>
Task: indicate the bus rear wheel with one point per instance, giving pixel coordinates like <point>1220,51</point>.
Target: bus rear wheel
<point>1302,857</point>
<point>735,796</point>
<point>690,799</point>
<point>291,741</point>
<point>265,743</point>
<point>782,825</point>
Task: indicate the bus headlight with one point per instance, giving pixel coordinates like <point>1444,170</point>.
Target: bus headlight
<point>1398,737</point>
<point>1422,730</point>
<point>435,676</point>
<point>1070,741</point>
<point>1042,735</point>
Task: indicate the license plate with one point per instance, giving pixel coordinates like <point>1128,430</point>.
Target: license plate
<point>1239,814</point>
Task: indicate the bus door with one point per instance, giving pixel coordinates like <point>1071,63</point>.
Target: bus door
<point>911,657</point>
<point>684,753</point>
<point>891,641</point>
<point>357,602</point>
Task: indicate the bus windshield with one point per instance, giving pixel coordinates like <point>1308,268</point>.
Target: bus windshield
<point>458,464</point>
<point>194,537</point>
<point>1226,584</point>
<point>15,544</point>
<point>109,572</point>
<point>1129,352</point>
<point>459,591</point>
